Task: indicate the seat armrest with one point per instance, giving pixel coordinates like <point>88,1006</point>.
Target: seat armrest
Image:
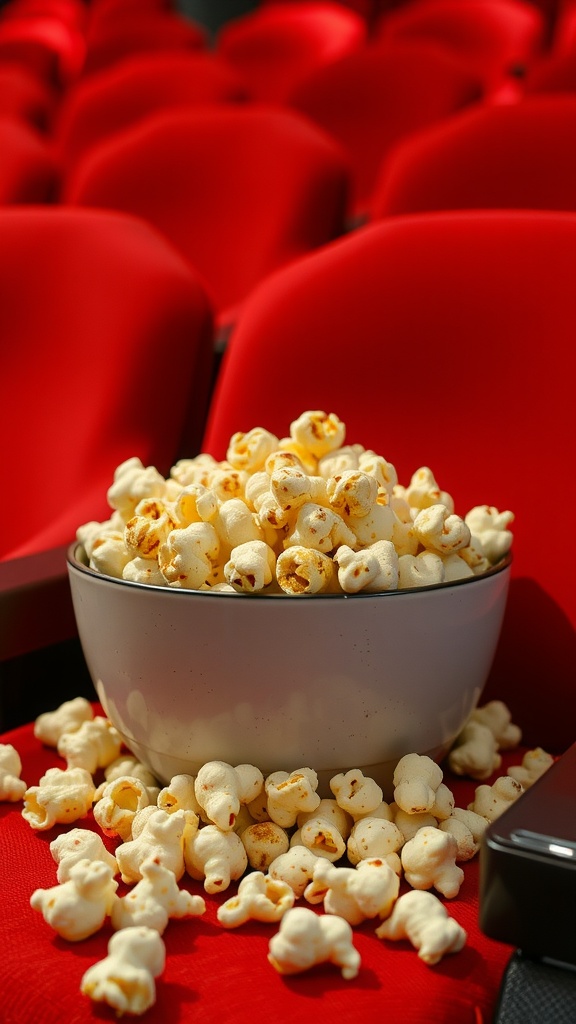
<point>35,603</point>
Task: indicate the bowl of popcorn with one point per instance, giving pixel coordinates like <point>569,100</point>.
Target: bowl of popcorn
<point>293,605</point>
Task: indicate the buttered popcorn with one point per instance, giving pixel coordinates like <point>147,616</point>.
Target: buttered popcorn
<point>299,515</point>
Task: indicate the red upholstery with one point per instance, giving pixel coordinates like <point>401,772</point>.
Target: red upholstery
<point>118,96</point>
<point>239,191</point>
<point>107,341</point>
<point>492,38</point>
<point>552,73</point>
<point>111,40</point>
<point>29,172</point>
<point>275,45</point>
<point>444,340</point>
<point>45,44</point>
<point>25,97</point>
<point>215,974</point>
<point>371,99</point>
<point>513,156</point>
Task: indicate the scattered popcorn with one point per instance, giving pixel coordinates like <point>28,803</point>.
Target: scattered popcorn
<point>475,751</point>
<point>305,514</point>
<point>263,842</point>
<point>329,809</point>
<point>12,787</point>
<point>295,867</point>
<point>374,837</point>
<point>119,801</point>
<point>290,793</point>
<point>534,763</point>
<point>423,919</point>
<point>162,836</point>
<point>496,716</point>
<point>155,899</point>
<point>410,823</point>
<point>355,894</point>
<point>49,726</point>
<point>429,861</point>
<point>124,980</point>
<point>491,801</point>
<point>306,939</point>
<point>322,837</point>
<point>179,794</point>
<point>127,764</point>
<point>94,744</point>
<point>217,857</point>
<point>220,789</point>
<point>79,844</point>
<point>355,793</point>
<point>259,898</point>
<point>79,906</point>
<point>62,795</point>
<point>416,780</point>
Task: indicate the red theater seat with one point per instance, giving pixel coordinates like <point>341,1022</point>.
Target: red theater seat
<point>370,99</point>
<point>513,156</point>
<point>444,340</point>
<point>25,97</point>
<point>116,97</point>
<point>107,349</point>
<point>44,44</point>
<point>29,172</point>
<point>273,47</point>
<point>135,31</point>
<point>239,191</point>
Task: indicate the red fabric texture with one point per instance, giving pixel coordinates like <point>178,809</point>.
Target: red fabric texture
<point>238,190</point>
<point>513,156</point>
<point>441,340</point>
<point>106,363</point>
<point>29,173</point>
<point>217,974</point>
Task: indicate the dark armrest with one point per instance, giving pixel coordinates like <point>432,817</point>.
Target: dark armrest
<point>35,603</point>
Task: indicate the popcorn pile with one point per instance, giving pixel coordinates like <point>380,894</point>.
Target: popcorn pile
<point>303,514</point>
<point>347,855</point>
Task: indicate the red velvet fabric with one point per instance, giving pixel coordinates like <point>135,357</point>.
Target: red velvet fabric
<point>107,361</point>
<point>239,190</point>
<point>219,975</point>
<point>109,40</point>
<point>512,156</point>
<point>29,172</point>
<point>443,340</point>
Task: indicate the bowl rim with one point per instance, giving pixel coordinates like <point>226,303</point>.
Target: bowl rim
<point>76,558</point>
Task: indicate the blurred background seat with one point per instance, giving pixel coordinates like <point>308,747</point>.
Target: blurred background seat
<point>514,156</point>
<point>29,172</point>
<point>129,32</point>
<point>24,96</point>
<point>116,97</point>
<point>273,47</point>
<point>239,191</point>
<point>373,97</point>
<point>44,42</point>
<point>441,340</point>
<point>495,40</point>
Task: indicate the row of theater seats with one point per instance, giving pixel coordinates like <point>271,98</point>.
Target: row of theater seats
<point>312,207</point>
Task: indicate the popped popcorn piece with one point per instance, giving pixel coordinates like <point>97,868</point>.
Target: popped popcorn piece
<point>356,793</point>
<point>79,906</point>
<point>318,432</point>
<point>227,483</point>
<point>329,809</point>
<point>444,802</point>
<point>416,780</point>
<point>295,867</point>
<point>155,899</point>
<point>118,803</point>
<point>162,836</point>
<point>456,567</point>
<point>236,524</point>
<point>195,503</point>
<point>263,842</point>
<point>143,570</point>
<point>132,483</point>
<point>94,744</point>
<point>429,861</point>
<point>496,715</point>
<point>302,570</point>
<point>379,523</point>
<point>49,726</point>
<point>491,801</point>
<point>383,471</point>
<point>149,527</point>
<point>339,460</point>
<point>475,751</point>
<point>410,823</point>
<point>352,491</point>
<point>186,558</point>
<point>124,979</point>
<point>355,894</point>
<point>305,939</point>
<point>249,451</point>
<point>422,570</point>
<point>374,837</point>
<point>440,530</point>
<point>292,488</point>
<point>319,528</point>
<point>110,555</point>
<point>423,919</point>
<point>534,763</point>
<point>251,566</point>
<point>423,491</point>
<point>322,837</point>
<point>127,764</point>
<point>259,898</point>
<point>198,470</point>
<point>179,794</point>
<point>220,789</point>
<point>217,857</point>
<point>467,829</point>
<point>79,844</point>
<point>12,787</point>
<point>373,568</point>
<point>490,528</point>
<point>93,532</point>
<point>289,793</point>
<point>63,795</point>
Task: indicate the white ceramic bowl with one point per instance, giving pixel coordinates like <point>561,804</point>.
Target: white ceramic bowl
<point>325,682</point>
